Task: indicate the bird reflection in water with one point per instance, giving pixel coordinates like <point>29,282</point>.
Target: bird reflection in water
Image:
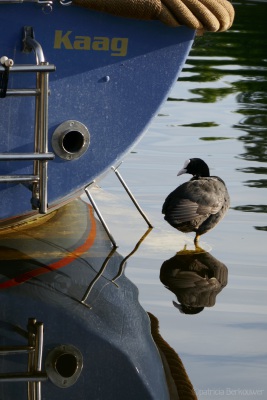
<point>195,277</point>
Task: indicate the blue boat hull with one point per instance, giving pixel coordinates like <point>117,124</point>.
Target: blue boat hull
<point>112,75</point>
<point>61,271</point>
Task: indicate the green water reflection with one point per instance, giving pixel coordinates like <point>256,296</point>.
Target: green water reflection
<point>235,63</point>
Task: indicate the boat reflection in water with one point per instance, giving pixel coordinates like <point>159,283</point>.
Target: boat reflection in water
<point>195,277</point>
<point>87,334</point>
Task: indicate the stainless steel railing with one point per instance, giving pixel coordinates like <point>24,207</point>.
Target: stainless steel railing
<point>40,156</point>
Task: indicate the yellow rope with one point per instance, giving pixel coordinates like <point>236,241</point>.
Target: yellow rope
<point>208,15</point>
<point>181,379</point>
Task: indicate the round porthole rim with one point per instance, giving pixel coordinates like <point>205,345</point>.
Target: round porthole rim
<point>59,135</point>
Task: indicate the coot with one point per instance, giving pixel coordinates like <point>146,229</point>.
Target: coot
<point>199,204</point>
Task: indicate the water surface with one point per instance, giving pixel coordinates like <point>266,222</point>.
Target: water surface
<point>217,111</point>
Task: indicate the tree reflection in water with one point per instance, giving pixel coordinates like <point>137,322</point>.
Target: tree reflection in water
<point>236,62</point>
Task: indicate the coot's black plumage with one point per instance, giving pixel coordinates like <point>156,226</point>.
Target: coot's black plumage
<point>199,204</point>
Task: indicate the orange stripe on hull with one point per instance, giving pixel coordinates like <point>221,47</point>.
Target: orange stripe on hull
<point>60,263</point>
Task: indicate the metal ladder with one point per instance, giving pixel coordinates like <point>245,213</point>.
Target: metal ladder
<point>40,156</point>
<point>34,348</point>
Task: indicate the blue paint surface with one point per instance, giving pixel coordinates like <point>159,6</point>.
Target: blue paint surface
<point>112,74</point>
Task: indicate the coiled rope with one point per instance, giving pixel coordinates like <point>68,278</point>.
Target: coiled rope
<point>207,15</point>
<point>181,379</point>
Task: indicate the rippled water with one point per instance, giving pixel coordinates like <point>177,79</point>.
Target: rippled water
<point>217,111</point>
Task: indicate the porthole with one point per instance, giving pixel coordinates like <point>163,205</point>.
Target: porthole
<point>70,140</point>
<point>63,365</point>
